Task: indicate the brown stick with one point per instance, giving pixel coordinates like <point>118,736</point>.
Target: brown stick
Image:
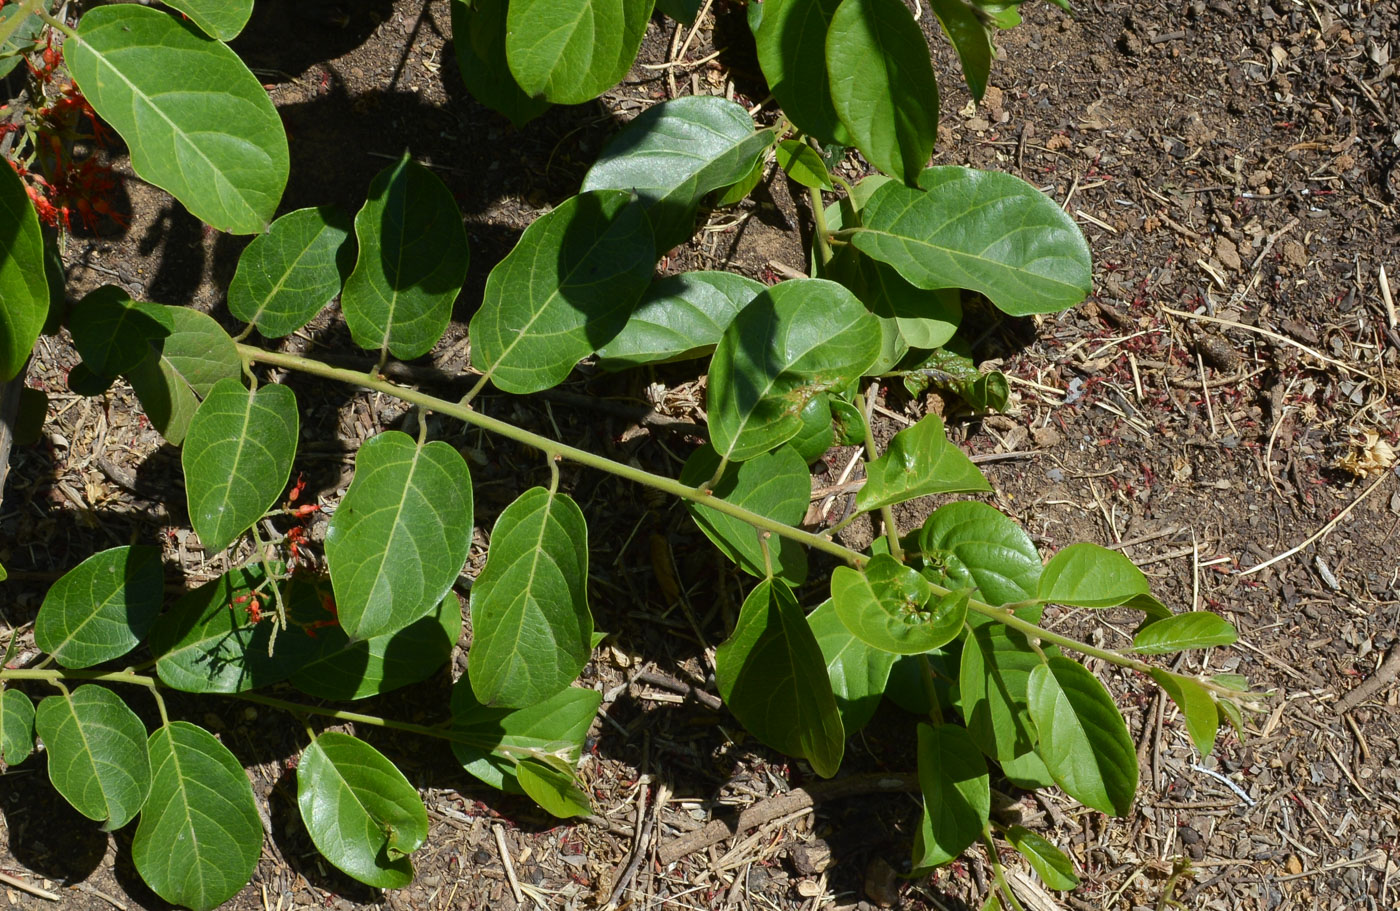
<point>1372,685</point>
<point>718,830</point>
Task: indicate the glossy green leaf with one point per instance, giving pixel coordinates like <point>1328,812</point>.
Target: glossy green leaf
<point>1083,738</point>
<point>772,676</point>
<point>412,262</point>
<point>479,38</point>
<point>793,341</point>
<point>803,164</point>
<point>1087,575</point>
<point>1197,707</point>
<point>563,292</point>
<point>237,458</point>
<point>362,813</point>
<point>817,434</point>
<point>97,753</point>
<point>957,794</point>
<point>206,643</point>
<point>1196,629</point>
<point>19,40</point>
<point>572,51</point>
<point>674,154</point>
<point>918,461</point>
<point>222,19</point>
<point>1053,865</point>
<point>399,538</point>
<point>1027,771</point>
<point>858,673</point>
<point>975,544</point>
<point>970,38</point>
<point>112,333</point>
<point>888,607</point>
<point>101,608</point>
<point>776,485</point>
<point>489,741</point>
<point>555,791</point>
<point>791,43</point>
<point>197,123</point>
<point>16,724</point>
<point>24,284</point>
<point>1152,610</point>
<point>286,276</point>
<point>679,317</point>
<point>882,84</point>
<point>847,423</point>
<point>531,626</point>
<point>199,837</point>
<point>986,231</point>
<point>993,677</point>
<point>181,367</point>
<point>344,670</point>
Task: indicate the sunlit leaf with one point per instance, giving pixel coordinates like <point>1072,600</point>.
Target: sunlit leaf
<point>101,608</point>
<point>1083,738</point>
<point>16,724</point>
<point>888,606</point>
<point>488,741</point>
<point>817,434</point>
<point>1196,629</point>
<point>791,43</point>
<point>479,38</point>
<point>975,544</point>
<point>1198,709</point>
<point>918,461</point>
<point>857,672</point>
<point>1053,865</point>
<point>222,19</point>
<point>952,371</point>
<point>181,367</point>
<point>776,485</point>
<point>1087,575</point>
<point>97,753</point>
<point>23,281</point>
<point>19,40</point>
<point>555,791</point>
<point>957,794</point>
<point>286,276</point>
<point>995,671</point>
<point>572,51</point>
<point>679,317</point>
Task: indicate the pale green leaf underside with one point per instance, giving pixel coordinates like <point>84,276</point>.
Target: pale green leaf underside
<point>1083,739</point>
<point>553,790</point>
<point>97,753</point>
<point>919,461</point>
<point>1053,866</point>
<point>101,608</point>
<point>287,275</point>
<point>16,727</point>
<point>571,51</point>
<point>776,485</point>
<point>487,741</point>
<point>23,284</point>
<point>222,19</point>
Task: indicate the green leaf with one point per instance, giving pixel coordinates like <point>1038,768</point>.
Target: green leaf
<point>776,485</point>
<point>742,187</point>
<point>1197,707</point>
<point>479,37</point>
<point>555,791</point>
<point>400,536</point>
<point>791,43</point>
<point>1083,738</point>
<point>97,753</point>
<point>205,643</point>
<point>957,794</point>
<point>286,276</point>
<point>817,434</point>
<point>1196,629</point>
<point>181,367</point>
<point>531,625</point>
<point>679,317</point>
<point>16,722</point>
<point>564,291</point>
<point>237,458</point>
<point>199,837</point>
<point>918,461</point>
<point>888,607</point>
<point>847,423</point>
<point>1152,610</point>
<point>19,40</point>
<point>197,123</point>
<point>674,154</point>
<point>363,814</point>
<point>572,51</point>
<point>1027,771</point>
<point>882,84</point>
<point>345,670</point>
<point>975,544</point>
<point>112,333</point>
<point>1052,864</point>
<point>794,341</point>
<point>683,11</point>
<point>952,371</point>
<point>1087,575</point>
<point>970,38</point>
<point>488,741</point>
<point>101,608</point>
<point>858,673</point>
<point>222,19</point>
<point>23,282</point>
<point>982,230</point>
<point>993,677</point>
<point>772,676</point>
<point>803,164</point>
<point>411,265</point>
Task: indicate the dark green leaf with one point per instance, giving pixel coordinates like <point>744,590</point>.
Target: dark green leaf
<point>555,791</point>
<point>674,154</point>
<point>82,381</point>
<point>196,122</point>
<point>287,275</point>
<point>237,458</point>
<point>1087,575</point>
<point>847,423</point>
<point>112,333</point>
<point>1196,629</point>
<point>24,284</point>
<point>952,371</point>
<point>816,435</point>
<point>982,230</point>
<point>97,753</point>
<point>181,367</point>
<point>1054,867</point>
<point>363,814</point>
<point>412,261</point>
<point>1197,707</point>
<point>199,837</point>
<point>995,671</point>
<point>679,317</point>
<point>882,84</point>
<point>857,672</point>
<point>400,536</point>
<point>957,794</point>
<point>28,427</point>
<point>479,37</point>
<point>563,292</point>
<point>1083,738</point>
<point>222,19</point>
<point>776,485</point>
<point>488,741</point>
<point>970,37</point>
<point>975,544</point>
<point>683,11</point>
<point>803,164</point>
<point>772,676</point>
<point>742,187</point>
<point>572,51</point>
<point>791,42</point>
<point>101,608</point>
<point>531,626</point>
<point>16,721</point>
<point>918,461</point>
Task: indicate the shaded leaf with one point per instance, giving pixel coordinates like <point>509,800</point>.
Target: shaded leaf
<point>993,679</point>
<point>817,434</point>
<point>1196,629</point>
<point>572,51</point>
<point>857,672</point>
<point>957,794</point>
<point>742,187</point>
<point>952,371</point>
<point>970,543</point>
<point>286,276</point>
<point>489,741</point>
<point>112,333</point>
<point>1087,575</point>
<point>970,38</point>
<point>918,461</point>
<point>16,721</point>
<point>33,408</point>
<point>555,791</point>
<point>1197,707</point>
<point>776,485</point>
<point>1083,739</point>
<point>679,317</point>
<point>847,423</point>
<point>97,753</point>
<point>683,11</point>
<point>222,19</point>
<point>181,367</point>
<point>1053,865</point>
<point>791,43</point>
<point>101,608</point>
<point>479,38</point>
<point>23,280</point>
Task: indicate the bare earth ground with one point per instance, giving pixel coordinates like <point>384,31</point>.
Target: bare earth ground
<point>1233,167</point>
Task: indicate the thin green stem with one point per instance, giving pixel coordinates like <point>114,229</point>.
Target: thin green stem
<point>476,388</point>
<point>997,871</point>
<point>819,226</point>
<point>55,22</point>
<point>11,25</point>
